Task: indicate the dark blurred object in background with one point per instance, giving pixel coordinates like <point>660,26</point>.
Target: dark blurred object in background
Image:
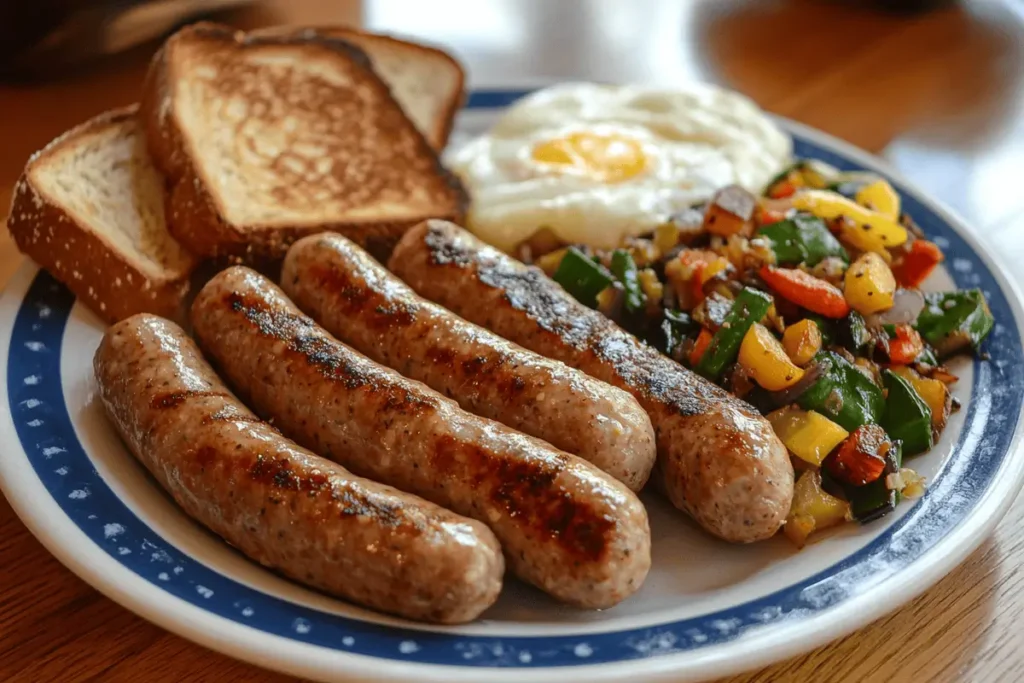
<point>41,39</point>
<point>907,6</point>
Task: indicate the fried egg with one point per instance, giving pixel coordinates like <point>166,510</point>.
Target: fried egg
<point>595,163</point>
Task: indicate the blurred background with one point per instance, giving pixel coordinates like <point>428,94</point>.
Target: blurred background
<point>934,86</point>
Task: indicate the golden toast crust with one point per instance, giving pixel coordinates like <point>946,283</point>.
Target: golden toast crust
<point>438,133</point>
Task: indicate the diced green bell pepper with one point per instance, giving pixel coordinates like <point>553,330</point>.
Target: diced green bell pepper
<point>951,321</point>
<point>854,334</point>
<point>843,394</point>
<point>927,356</point>
<point>784,237</point>
<point>803,239</point>
<point>675,328</point>
<point>750,307</point>
<point>907,417</point>
<point>582,277</point>
<point>875,500</point>
<point>625,271</point>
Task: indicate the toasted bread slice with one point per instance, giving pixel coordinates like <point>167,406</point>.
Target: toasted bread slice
<point>89,208</point>
<point>427,81</point>
<point>266,139</point>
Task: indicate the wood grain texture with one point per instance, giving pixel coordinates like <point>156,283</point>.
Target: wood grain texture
<point>941,95</point>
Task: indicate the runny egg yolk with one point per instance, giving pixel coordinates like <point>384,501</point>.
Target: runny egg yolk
<point>605,158</point>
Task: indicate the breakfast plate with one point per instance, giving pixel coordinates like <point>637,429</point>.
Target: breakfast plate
<point>707,609</point>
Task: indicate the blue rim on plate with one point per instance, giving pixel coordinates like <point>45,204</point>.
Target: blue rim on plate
<point>48,437</point>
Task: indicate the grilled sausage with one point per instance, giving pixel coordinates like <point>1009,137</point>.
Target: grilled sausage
<point>718,459</point>
<point>281,505</point>
<point>564,525</point>
<point>358,301</point>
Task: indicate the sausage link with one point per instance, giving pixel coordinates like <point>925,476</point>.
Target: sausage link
<point>564,525</point>
<point>279,504</point>
<point>718,459</point>
<point>358,301</point>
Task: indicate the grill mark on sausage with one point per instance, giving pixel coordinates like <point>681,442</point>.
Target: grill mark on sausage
<point>173,399</point>
<point>440,356</point>
<point>205,456</point>
<point>657,376</point>
<point>523,289</point>
<point>356,298</point>
<point>386,314</point>
<point>443,251</point>
<point>227,414</point>
<point>529,493</point>
<point>330,358</point>
<point>278,473</point>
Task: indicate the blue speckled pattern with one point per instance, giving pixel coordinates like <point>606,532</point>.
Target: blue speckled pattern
<point>46,433</point>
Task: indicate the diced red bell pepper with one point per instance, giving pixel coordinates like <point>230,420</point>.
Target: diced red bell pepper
<point>918,263</point>
<point>805,290</point>
<point>772,210</point>
<point>860,458</point>
<point>906,347</point>
<point>700,346</point>
<point>783,188</point>
<point>697,283</point>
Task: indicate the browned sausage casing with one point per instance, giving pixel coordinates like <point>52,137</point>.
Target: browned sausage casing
<point>564,525</point>
<point>718,459</point>
<point>358,301</point>
<point>281,505</point>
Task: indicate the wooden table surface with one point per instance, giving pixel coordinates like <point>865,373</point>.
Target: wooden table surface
<point>940,95</point>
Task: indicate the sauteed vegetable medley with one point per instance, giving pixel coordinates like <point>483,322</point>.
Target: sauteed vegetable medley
<point>806,303</point>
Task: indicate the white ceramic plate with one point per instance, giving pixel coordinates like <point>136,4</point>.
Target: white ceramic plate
<point>707,609</point>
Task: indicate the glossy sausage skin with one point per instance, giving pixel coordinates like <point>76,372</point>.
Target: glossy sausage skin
<point>358,301</point>
<point>718,459</point>
<point>564,525</point>
<point>279,504</point>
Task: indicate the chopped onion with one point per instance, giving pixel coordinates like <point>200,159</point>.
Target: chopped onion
<point>913,483</point>
<point>811,375</point>
<point>907,305</point>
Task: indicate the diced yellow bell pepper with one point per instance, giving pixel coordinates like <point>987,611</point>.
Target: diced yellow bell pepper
<point>869,284</point>
<point>808,435</point>
<point>880,197</point>
<point>763,357</point>
<point>712,269</point>
<point>873,231</point>
<point>802,341</point>
<point>813,509</point>
<point>650,285</point>
<point>549,262</point>
<point>813,174</point>
<point>864,240</point>
<point>666,237</point>
<point>932,391</point>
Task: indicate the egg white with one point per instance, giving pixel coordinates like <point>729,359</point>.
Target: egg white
<point>694,140</point>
